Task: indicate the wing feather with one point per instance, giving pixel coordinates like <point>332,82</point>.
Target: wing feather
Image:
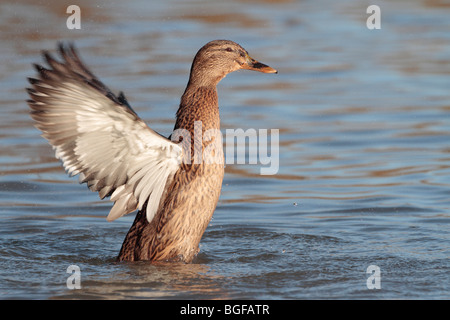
<point>99,137</point>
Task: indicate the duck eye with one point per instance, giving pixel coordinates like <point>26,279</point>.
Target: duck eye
<point>229,49</point>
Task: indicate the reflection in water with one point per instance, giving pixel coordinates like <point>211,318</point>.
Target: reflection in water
<point>152,281</point>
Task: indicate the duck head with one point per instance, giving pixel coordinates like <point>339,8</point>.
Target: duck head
<point>218,58</point>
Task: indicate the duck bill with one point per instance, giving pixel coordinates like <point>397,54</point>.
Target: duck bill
<point>252,64</point>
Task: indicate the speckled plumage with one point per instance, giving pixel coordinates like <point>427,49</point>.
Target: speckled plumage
<point>190,199</point>
<point>98,136</point>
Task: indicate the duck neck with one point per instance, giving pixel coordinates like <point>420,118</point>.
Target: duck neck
<point>198,103</point>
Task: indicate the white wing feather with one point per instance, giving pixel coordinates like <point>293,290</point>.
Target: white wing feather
<point>98,136</point>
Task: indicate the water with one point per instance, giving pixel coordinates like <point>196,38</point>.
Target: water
<point>364,119</point>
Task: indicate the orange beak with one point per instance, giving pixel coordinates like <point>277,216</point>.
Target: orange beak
<point>252,64</point>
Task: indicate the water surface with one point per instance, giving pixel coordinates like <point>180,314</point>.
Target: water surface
<point>364,120</point>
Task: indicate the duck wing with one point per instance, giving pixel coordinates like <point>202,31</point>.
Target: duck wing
<point>99,137</point>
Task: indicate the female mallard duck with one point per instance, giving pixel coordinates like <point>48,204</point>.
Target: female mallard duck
<point>97,135</point>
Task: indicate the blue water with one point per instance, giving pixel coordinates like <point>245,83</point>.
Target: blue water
<point>364,165</point>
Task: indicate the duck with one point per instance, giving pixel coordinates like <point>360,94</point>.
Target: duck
<point>172,182</point>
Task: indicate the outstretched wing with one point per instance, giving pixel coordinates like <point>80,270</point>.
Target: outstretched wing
<point>98,136</point>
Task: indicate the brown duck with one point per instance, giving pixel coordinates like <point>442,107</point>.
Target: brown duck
<point>174,184</point>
